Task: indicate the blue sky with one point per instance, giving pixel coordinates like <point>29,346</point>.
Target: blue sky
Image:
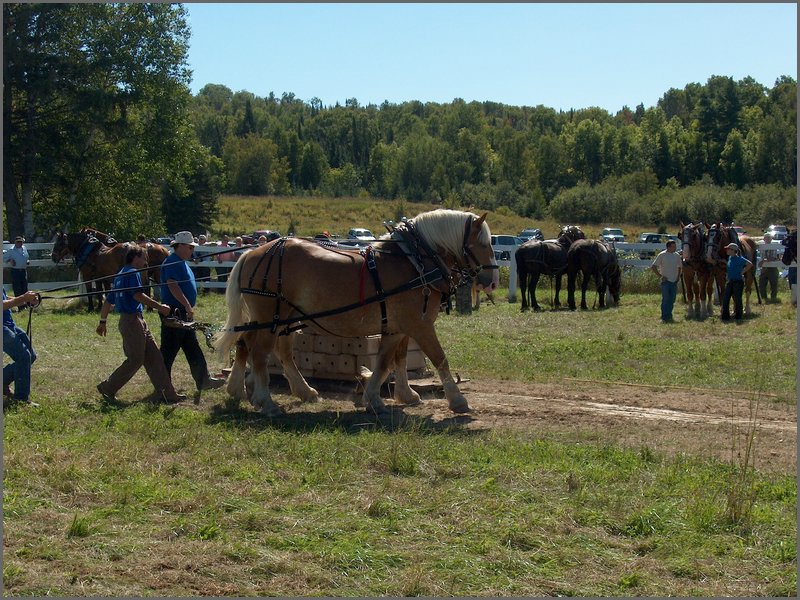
<point>559,55</point>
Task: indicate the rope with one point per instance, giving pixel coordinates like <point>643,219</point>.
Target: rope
<point>113,289</point>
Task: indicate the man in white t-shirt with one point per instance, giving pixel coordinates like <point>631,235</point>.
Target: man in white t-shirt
<point>667,265</point>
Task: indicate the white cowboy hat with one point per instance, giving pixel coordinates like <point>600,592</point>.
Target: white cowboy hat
<point>183,237</point>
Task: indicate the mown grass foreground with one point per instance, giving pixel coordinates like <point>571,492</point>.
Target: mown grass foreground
<point>134,499</point>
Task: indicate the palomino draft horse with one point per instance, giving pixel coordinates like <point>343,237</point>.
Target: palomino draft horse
<point>535,257</point>
<point>393,288</point>
<point>593,258</point>
<point>697,273</point>
<point>93,259</point>
<point>720,236</point>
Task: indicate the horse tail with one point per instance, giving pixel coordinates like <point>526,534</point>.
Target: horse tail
<point>237,313</point>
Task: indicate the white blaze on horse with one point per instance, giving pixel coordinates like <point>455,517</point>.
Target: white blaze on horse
<point>697,272</point>
<point>393,288</point>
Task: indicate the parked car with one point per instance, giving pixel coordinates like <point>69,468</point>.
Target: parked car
<point>358,233</point>
<point>657,238</point>
<point>164,241</point>
<point>778,232</point>
<point>531,234</point>
<point>267,233</point>
<point>505,240</point>
<point>612,234</point>
<point>781,228</point>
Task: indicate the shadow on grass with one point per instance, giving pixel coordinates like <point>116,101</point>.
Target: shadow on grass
<point>353,420</point>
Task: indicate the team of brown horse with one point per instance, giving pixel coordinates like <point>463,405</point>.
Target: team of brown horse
<point>99,257</point>
<point>704,264</point>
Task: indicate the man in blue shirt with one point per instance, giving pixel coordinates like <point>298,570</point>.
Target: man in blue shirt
<point>179,292</point>
<point>18,346</point>
<point>737,267</point>
<point>138,344</point>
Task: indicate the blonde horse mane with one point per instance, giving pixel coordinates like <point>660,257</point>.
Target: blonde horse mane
<point>444,229</point>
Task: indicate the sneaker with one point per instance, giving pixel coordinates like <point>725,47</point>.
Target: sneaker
<point>212,383</point>
<point>106,396</point>
<point>6,392</point>
<point>24,402</point>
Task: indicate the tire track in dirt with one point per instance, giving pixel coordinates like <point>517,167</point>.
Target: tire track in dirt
<point>645,413</point>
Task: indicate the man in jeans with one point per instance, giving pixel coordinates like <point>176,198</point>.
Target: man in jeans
<point>737,266</point>
<point>179,292</point>
<point>17,345</point>
<point>667,265</point>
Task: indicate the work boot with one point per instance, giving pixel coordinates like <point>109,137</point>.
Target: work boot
<point>107,396</point>
<point>213,383</point>
<point>174,398</point>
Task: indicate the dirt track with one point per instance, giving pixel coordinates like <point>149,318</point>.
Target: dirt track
<point>695,422</point>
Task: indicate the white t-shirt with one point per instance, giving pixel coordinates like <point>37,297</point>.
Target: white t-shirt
<point>668,264</point>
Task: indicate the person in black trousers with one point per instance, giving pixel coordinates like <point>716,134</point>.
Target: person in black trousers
<point>180,294</point>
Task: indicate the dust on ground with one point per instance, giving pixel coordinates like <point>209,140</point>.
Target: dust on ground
<point>669,420</point>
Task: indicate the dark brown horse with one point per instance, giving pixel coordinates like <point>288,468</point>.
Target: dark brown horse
<point>394,288</point>
<point>535,258</point>
<point>719,236</point>
<point>790,254</point>
<point>93,259</point>
<point>156,253</point>
<point>593,258</point>
<point>697,273</point>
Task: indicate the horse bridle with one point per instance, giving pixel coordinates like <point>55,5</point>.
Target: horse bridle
<point>697,233</point>
<point>469,256</point>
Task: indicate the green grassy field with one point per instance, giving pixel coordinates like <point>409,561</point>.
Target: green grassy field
<point>145,500</point>
<point>310,216</point>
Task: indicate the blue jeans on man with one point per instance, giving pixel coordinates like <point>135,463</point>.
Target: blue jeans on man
<point>669,291</point>
<point>17,345</point>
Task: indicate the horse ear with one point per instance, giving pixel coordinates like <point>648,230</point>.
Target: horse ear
<point>481,219</point>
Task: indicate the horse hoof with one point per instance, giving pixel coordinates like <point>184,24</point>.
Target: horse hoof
<point>272,411</point>
<point>459,405</point>
<point>378,410</point>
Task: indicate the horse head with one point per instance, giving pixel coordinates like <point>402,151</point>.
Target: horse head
<point>570,234</point>
<point>790,254</point>
<point>691,241</point>
<point>60,248</point>
<point>465,239</point>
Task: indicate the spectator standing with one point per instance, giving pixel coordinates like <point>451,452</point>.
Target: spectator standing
<point>768,274</point>
<point>138,343</point>
<point>201,273</point>
<point>17,345</point>
<point>222,272</point>
<point>262,240</point>
<point>17,257</point>
<point>668,265</point>
<point>238,248</point>
<point>180,294</point>
<point>734,286</point>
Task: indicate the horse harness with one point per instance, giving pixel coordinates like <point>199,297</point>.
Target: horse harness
<point>410,243</point>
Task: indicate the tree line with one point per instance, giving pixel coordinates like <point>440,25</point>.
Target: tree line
<point>100,127</point>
